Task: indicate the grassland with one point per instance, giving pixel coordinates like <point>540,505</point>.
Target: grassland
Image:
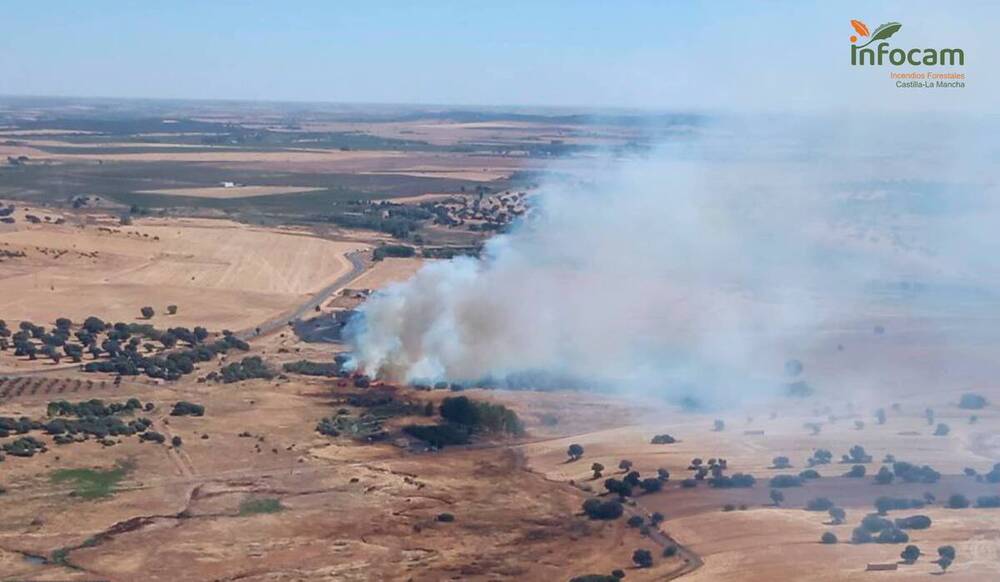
<point>93,483</point>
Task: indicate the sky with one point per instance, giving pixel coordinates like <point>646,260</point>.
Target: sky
<point>661,55</point>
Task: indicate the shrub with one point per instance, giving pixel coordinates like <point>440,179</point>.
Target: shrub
<point>247,368</point>
<point>828,538</point>
<point>819,504</point>
<point>892,536</point>
<point>820,457</point>
<point>910,554</point>
<point>483,416</point>
<point>634,521</point>
<point>94,325</point>
<point>152,436</point>
<point>328,427</point>
<point>599,509</point>
<point>857,454</point>
<point>147,312</point>
<point>875,523</point>
<point>783,481</point>
<point>670,551</point>
<point>396,251</point>
<point>781,463</point>
<point>809,474</point>
<point>884,476</point>
<point>651,485</point>
<point>799,389</point>
<point>837,514</point>
<point>737,480</point>
<point>663,439</point>
<point>914,474</point>
<point>972,401</point>
<point>307,368</point>
<point>621,488</point>
<point>642,558</point>
<point>445,517</point>
<point>942,429</point>
<point>913,522</point>
<point>885,504</point>
<point>958,501</point>
<point>856,472</point>
<point>597,468</point>
<point>861,536</point>
<point>574,451</point>
<point>183,408</point>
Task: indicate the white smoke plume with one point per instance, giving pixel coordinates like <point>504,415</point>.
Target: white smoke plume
<point>696,270</point>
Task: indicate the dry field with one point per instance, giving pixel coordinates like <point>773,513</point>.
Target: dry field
<point>768,543</point>
<point>462,166</point>
<point>348,511</point>
<point>220,274</point>
<point>386,272</point>
<point>476,175</point>
<point>509,133</point>
<point>353,511</point>
<point>231,192</point>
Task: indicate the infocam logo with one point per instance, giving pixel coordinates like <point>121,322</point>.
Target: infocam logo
<point>882,54</point>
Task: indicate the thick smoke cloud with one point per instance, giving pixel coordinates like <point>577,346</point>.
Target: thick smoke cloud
<point>695,270</point>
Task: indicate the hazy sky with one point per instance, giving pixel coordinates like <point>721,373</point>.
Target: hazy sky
<point>656,54</point>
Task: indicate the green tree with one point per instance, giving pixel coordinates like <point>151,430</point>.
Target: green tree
<point>837,514</point>
<point>642,558</point>
<point>574,451</point>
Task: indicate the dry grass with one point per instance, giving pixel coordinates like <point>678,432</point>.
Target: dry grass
<point>219,273</point>
<point>386,272</point>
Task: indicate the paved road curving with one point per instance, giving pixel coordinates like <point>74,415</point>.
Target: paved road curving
<point>357,267</point>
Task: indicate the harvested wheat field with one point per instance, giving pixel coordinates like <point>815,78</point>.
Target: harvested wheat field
<point>219,274</point>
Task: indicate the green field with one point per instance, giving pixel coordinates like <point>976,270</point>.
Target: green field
<point>93,483</point>
<point>262,505</point>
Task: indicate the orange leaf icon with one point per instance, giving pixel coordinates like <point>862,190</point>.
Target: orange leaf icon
<point>860,27</point>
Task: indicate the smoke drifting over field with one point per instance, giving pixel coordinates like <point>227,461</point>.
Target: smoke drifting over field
<point>696,270</point>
